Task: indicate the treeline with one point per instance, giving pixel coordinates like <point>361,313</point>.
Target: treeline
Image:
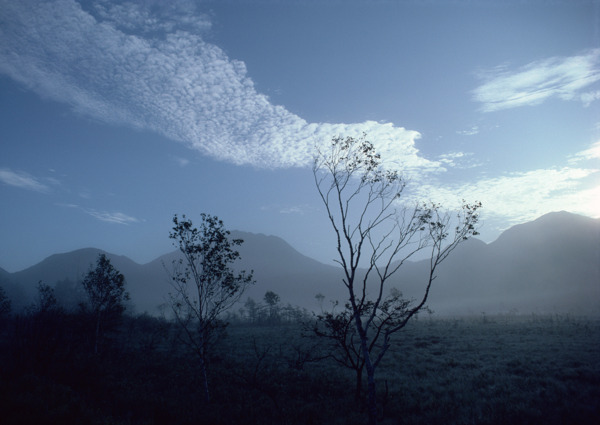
<point>268,312</point>
<point>68,293</point>
<point>63,365</point>
<point>69,297</point>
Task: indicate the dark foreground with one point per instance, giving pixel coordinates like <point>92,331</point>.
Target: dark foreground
<point>484,370</point>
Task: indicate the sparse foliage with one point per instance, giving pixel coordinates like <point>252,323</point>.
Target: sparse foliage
<point>375,235</point>
<point>204,283</point>
<point>105,289</point>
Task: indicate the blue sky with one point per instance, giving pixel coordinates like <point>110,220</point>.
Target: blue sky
<point>116,115</point>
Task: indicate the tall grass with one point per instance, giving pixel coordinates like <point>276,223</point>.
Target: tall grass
<point>464,370</point>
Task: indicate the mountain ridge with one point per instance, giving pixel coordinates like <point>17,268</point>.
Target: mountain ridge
<point>551,263</point>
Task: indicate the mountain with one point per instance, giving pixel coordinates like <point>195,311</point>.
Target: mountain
<point>4,275</point>
<point>551,264</point>
<point>66,269</point>
<point>277,267</point>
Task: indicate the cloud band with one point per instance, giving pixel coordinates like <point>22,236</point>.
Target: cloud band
<point>120,65</point>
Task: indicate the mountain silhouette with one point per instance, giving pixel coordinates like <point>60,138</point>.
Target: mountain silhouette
<point>549,265</point>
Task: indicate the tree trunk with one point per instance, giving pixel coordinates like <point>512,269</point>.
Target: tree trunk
<point>97,336</point>
<point>203,368</point>
<point>205,379</point>
<point>358,383</point>
<point>372,395</point>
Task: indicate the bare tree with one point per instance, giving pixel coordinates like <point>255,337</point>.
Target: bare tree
<point>204,283</point>
<point>105,289</point>
<point>376,233</point>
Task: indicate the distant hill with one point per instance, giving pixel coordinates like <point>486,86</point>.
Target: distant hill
<point>551,264</point>
<point>278,267</point>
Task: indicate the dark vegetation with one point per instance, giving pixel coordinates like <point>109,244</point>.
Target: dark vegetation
<point>205,286</point>
<point>485,370</point>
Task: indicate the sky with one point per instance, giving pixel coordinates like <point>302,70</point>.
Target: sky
<point>116,115</point>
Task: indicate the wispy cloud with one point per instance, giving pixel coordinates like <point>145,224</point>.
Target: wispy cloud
<point>568,78</point>
<point>112,217</point>
<point>523,196</point>
<point>462,160</point>
<point>22,180</point>
<point>593,152</point>
<point>182,162</point>
<point>121,64</point>
<point>106,216</point>
<point>588,98</point>
<point>289,209</point>
<point>469,132</point>
<point>297,209</point>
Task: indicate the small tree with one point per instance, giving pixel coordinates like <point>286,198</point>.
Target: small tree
<point>46,302</point>
<point>204,283</point>
<point>320,298</point>
<point>252,310</point>
<point>272,301</point>
<point>375,232</point>
<point>105,289</point>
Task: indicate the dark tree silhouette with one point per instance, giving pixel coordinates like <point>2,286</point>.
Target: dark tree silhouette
<point>105,289</point>
<point>204,283</point>
<point>5,304</point>
<point>272,301</point>
<point>252,309</point>
<point>376,231</point>
<point>46,302</point>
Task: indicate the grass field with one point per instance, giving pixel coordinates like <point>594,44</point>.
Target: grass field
<point>497,370</point>
<point>477,370</point>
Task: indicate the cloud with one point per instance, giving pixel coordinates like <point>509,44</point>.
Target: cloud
<point>289,209</point>
<point>112,217</point>
<point>109,217</point>
<point>588,98</point>
<point>297,209</point>
<point>182,162</point>
<point>564,77</point>
<point>523,196</point>
<point>22,180</point>
<point>121,64</point>
<point>461,160</point>
<point>470,132</point>
<point>593,152</point>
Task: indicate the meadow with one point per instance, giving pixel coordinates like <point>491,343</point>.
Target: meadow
<point>512,369</point>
